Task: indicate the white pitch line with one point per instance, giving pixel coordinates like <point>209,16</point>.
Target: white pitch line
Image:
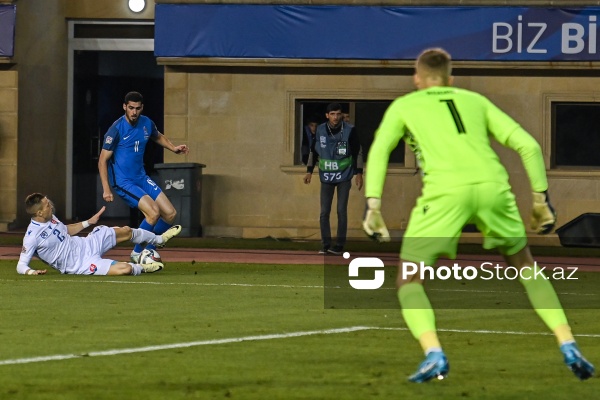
<point>178,283</point>
<point>115,352</point>
<point>182,345</point>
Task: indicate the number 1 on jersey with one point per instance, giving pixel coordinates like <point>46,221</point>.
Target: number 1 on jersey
<point>455,116</point>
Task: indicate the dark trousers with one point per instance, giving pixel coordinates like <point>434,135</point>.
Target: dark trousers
<point>343,193</point>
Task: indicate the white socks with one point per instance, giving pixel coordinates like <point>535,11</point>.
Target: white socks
<point>136,269</point>
<point>139,236</point>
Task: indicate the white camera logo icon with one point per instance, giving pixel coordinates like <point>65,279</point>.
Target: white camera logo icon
<point>366,262</point>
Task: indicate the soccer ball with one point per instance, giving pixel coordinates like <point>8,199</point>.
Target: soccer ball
<point>148,256</point>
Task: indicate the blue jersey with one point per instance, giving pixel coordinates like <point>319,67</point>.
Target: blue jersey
<point>128,144</point>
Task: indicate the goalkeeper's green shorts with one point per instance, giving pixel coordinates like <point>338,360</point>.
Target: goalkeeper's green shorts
<point>437,220</point>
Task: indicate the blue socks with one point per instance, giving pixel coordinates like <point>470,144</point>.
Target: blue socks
<point>158,229</point>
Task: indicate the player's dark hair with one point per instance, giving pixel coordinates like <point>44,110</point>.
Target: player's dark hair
<point>32,202</point>
<point>333,107</point>
<point>134,97</point>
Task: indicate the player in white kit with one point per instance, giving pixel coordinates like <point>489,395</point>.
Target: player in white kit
<point>55,244</point>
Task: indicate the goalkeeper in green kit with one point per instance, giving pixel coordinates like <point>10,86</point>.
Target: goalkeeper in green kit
<point>464,182</point>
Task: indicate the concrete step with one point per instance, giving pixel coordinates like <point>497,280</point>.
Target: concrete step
<point>5,225</point>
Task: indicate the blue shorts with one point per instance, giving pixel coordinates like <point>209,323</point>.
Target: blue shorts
<point>132,191</point>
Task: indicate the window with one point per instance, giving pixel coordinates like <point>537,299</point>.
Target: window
<point>365,115</point>
<point>575,134</point>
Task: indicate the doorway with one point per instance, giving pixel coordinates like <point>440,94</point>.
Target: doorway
<point>101,80</point>
<point>107,60</point>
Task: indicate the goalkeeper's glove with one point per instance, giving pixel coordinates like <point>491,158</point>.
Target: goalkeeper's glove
<point>373,224</point>
<point>543,215</point>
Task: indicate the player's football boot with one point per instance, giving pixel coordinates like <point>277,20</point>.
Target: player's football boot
<point>135,257</point>
<point>169,234</point>
<point>435,365</point>
<point>154,266</point>
<point>581,367</point>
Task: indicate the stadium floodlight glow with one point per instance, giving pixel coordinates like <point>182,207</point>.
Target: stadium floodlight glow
<point>137,5</point>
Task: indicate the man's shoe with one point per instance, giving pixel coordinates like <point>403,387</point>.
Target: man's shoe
<point>169,234</point>
<point>337,250</point>
<point>581,367</point>
<point>135,257</point>
<point>324,250</point>
<point>435,365</point>
<point>152,267</point>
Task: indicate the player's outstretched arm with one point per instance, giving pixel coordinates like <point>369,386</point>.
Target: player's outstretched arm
<point>181,149</point>
<point>27,252</point>
<point>74,229</point>
<point>167,144</point>
<point>31,271</point>
<point>96,217</point>
<point>23,269</point>
<point>543,217</point>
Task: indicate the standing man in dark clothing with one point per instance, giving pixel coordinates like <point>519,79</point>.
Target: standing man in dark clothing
<point>338,153</point>
<point>308,138</point>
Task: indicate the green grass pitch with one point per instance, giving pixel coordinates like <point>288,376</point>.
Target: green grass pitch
<point>250,331</point>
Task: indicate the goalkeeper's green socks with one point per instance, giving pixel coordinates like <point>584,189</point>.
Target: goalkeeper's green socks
<point>546,304</point>
<point>419,316</point>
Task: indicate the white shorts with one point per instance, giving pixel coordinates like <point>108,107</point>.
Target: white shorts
<point>98,242</point>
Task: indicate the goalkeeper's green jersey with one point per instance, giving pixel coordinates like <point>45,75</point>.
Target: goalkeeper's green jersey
<point>449,131</point>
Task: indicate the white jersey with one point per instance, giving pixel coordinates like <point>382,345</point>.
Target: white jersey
<point>51,242</point>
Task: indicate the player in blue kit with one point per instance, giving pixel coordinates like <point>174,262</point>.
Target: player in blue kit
<point>121,167</point>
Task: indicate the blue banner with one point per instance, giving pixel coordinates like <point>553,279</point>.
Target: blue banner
<point>8,15</point>
<point>376,32</point>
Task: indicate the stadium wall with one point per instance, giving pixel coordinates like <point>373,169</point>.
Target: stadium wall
<point>39,70</point>
<point>8,122</point>
<point>41,61</point>
<point>237,122</point>
<point>8,144</point>
<point>236,117</point>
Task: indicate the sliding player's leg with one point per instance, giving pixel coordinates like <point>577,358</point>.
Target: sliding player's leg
<point>103,239</point>
<point>139,236</point>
